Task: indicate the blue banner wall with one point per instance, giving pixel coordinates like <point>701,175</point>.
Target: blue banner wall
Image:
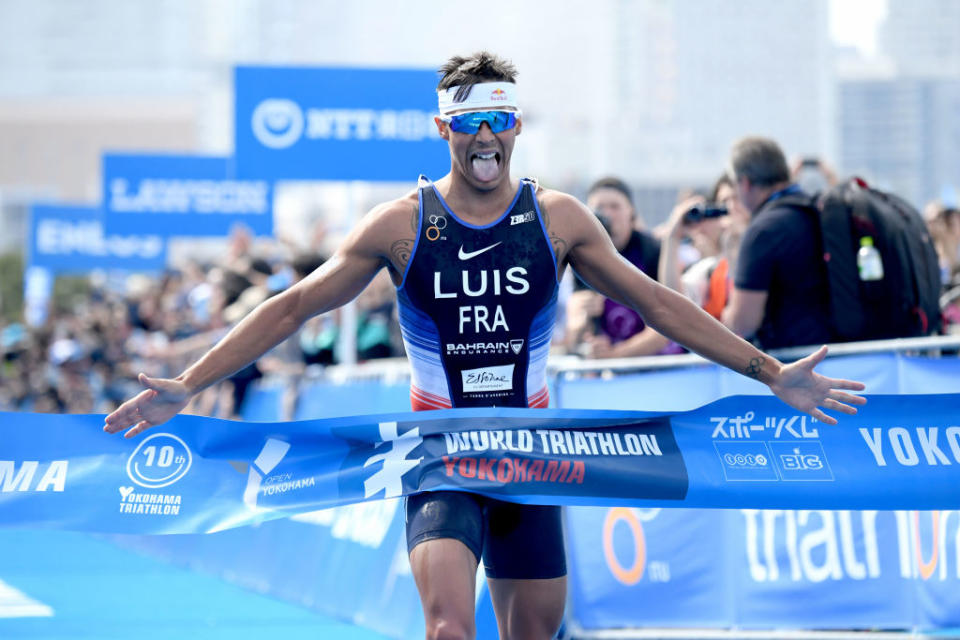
<point>757,569</point>
<point>181,195</point>
<point>337,124</point>
<point>72,239</point>
<point>629,567</point>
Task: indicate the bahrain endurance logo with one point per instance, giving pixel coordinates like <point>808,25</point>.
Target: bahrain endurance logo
<point>389,478</point>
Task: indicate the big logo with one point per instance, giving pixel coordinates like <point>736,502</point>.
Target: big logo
<point>277,123</point>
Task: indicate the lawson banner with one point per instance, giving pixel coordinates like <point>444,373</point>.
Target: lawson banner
<point>328,123</point>
<point>181,195</point>
<point>201,474</point>
<point>72,239</point>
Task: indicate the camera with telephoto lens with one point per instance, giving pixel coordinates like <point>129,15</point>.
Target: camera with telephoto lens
<point>604,220</point>
<point>700,212</point>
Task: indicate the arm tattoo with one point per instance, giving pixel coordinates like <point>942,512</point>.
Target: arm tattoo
<point>753,369</point>
<point>559,244</point>
<point>400,252</point>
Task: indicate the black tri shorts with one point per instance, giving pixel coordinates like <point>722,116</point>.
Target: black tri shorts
<point>515,541</point>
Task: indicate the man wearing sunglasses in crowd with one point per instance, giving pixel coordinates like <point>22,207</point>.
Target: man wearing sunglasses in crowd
<point>476,257</point>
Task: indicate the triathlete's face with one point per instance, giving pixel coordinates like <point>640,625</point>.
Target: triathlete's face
<point>482,158</point>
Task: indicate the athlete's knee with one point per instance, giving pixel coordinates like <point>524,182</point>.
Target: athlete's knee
<point>542,626</point>
<point>449,628</point>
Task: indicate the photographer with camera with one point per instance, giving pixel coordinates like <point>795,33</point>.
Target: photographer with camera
<point>780,293</point>
<point>598,327</point>
<point>713,226</point>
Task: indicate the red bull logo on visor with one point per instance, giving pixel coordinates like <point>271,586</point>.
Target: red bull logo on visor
<point>498,94</point>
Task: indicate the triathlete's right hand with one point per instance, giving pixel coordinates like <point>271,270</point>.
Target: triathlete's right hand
<point>162,399</point>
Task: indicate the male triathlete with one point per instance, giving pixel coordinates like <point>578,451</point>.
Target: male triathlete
<point>476,257</point>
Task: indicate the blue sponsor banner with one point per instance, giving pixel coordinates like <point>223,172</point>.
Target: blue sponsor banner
<point>72,239</point>
<point>337,124</point>
<point>762,569</point>
<point>200,474</point>
<point>181,195</point>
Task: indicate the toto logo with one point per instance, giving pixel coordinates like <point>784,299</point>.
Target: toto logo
<point>277,123</point>
<point>745,460</point>
<point>159,460</point>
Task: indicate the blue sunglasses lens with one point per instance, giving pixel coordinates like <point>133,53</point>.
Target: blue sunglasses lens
<point>470,122</point>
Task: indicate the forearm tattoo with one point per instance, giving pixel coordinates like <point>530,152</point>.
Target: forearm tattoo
<point>754,368</point>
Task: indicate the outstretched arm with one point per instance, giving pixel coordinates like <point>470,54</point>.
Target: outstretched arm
<point>596,260</point>
<point>338,281</point>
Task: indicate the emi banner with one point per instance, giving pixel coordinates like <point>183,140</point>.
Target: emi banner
<point>199,474</point>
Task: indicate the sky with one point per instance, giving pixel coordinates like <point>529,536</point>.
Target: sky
<point>854,23</point>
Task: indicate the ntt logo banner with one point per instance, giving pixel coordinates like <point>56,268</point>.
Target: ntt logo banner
<point>337,124</point>
<point>181,195</point>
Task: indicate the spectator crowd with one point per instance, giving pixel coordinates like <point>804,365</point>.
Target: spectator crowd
<point>736,249</point>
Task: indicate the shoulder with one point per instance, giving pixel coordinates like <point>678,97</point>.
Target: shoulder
<point>561,207</point>
<point>397,209</point>
<point>385,224</point>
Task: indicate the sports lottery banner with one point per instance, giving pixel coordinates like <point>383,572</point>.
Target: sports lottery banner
<point>317,123</point>
<point>72,239</point>
<point>201,474</point>
<point>181,195</point>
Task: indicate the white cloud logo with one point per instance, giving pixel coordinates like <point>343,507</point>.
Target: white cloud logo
<point>277,123</point>
<point>395,464</point>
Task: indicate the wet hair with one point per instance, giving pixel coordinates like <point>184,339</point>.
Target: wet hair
<point>760,160</point>
<point>612,182</point>
<point>482,66</point>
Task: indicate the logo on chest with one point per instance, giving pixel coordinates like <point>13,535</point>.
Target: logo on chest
<point>488,379</point>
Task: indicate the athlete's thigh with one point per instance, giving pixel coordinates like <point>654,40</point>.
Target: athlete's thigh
<point>523,542</point>
<point>445,538</point>
<point>525,561</point>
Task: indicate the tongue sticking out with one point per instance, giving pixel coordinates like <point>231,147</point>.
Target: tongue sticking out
<point>485,168</point>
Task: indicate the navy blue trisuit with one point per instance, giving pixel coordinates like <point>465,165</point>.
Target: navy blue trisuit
<point>477,307</point>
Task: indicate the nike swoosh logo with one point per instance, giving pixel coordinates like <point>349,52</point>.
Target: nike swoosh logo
<point>463,255</point>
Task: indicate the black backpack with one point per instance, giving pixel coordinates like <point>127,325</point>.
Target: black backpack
<point>905,302</point>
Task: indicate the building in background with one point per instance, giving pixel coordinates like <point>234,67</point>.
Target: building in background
<point>653,90</point>
<point>897,116</point>
<point>902,134</point>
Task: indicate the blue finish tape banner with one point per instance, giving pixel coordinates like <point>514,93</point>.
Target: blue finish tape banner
<point>181,196</point>
<point>337,124</point>
<point>72,239</point>
<point>201,474</point>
